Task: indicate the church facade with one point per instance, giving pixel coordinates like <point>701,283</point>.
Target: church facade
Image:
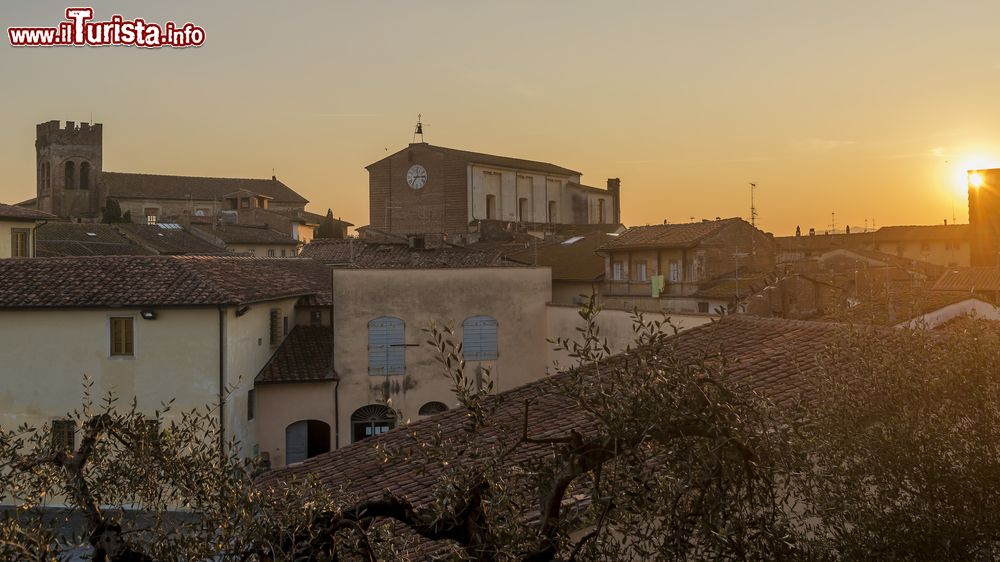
<point>431,190</point>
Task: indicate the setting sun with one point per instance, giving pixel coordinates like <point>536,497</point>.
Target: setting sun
<point>963,170</point>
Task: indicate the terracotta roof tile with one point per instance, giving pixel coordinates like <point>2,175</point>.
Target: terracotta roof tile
<point>351,252</point>
<point>969,279</point>
<point>305,355</point>
<point>153,186</point>
<point>133,281</point>
<point>248,234</point>
<point>668,235</point>
<point>17,213</point>
<point>167,239</point>
<point>57,239</point>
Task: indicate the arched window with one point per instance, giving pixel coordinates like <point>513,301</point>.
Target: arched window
<point>432,408</point>
<point>386,346</point>
<point>371,420</point>
<point>479,338</point>
<point>70,176</point>
<point>306,439</point>
<point>85,175</point>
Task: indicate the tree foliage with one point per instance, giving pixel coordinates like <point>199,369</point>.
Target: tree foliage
<point>329,228</point>
<point>112,213</point>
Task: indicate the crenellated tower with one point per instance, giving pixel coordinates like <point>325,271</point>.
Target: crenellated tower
<point>68,169</point>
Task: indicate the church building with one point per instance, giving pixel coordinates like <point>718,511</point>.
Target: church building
<point>431,190</point>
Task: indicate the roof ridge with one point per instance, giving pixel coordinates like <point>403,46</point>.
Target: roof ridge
<point>275,179</point>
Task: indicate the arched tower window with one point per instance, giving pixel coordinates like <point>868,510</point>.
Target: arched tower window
<point>479,338</point>
<point>70,176</point>
<point>369,421</point>
<point>432,408</point>
<point>85,175</point>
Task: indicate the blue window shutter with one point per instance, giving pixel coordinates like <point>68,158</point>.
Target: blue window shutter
<point>479,338</point>
<point>386,346</point>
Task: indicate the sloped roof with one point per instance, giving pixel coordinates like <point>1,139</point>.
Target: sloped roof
<point>969,279</point>
<point>574,259</point>
<point>924,232</point>
<point>499,161</point>
<point>248,234</point>
<point>133,281</point>
<point>895,302</point>
<point>730,288</point>
<point>311,218</point>
<point>668,235</point>
<point>153,186</point>
<point>57,239</point>
<point>306,355</point>
<point>775,357</point>
<point>355,253</point>
<point>170,240</point>
<point>18,213</point>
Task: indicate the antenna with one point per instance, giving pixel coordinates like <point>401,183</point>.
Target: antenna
<point>753,209</point>
<point>833,222</point>
<point>419,130</point>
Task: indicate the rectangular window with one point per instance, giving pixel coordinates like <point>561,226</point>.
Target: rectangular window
<point>122,337</point>
<point>270,252</point>
<point>703,307</point>
<point>275,326</point>
<point>284,253</point>
<point>19,243</point>
<point>151,214</point>
<point>316,318</point>
<point>640,271</point>
<point>63,435</point>
<point>251,404</point>
<point>479,338</point>
<point>617,271</point>
<point>675,271</point>
<point>245,203</point>
<point>386,346</point>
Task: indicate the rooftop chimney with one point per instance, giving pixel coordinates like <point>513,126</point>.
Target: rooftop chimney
<point>615,189</point>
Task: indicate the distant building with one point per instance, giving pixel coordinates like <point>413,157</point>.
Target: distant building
<point>66,239</point>
<point>984,216</point>
<point>947,245</point>
<point>681,267</point>
<point>577,269</point>
<point>432,190</point>
<point>17,230</point>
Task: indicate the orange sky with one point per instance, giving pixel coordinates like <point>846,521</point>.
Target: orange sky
<point>867,109</point>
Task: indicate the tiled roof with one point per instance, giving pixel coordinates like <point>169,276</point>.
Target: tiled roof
<point>365,255</point>
<point>893,303</point>
<point>969,279</point>
<point>574,259</point>
<point>58,239</point>
<point>17,213</point>
<point>306,355</point>
<point>133,281</point>
<point>503,161</point>
<point>170,240</point>
<point>775,357</point>
<point>725,289</point>
<point>248,234</point>
<point>822,242</point>
<point>151,186</point>
<point>668,235</point>
<point>931,232</point>
<point>311,218</point>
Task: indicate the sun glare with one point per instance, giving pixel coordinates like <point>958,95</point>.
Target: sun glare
<point>963,171</point>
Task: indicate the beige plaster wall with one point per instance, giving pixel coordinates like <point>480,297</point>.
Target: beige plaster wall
<point>515,297</point>
<point>280,405</point>
<point>5,236</point>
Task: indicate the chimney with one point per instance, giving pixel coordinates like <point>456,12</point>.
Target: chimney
<point>615,189</point>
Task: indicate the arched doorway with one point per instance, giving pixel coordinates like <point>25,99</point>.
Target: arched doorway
<point>305,439</point>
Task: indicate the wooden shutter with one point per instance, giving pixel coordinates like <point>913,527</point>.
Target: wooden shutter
<point>386,346</point>
<point>479,338</point>
<point>122,341</point>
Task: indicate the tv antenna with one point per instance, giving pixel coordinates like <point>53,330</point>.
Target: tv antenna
<point>753,208</point>
<point>419,130</point>
<point>833,222</point>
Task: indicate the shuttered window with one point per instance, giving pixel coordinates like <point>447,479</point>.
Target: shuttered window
<point>386,346</point>
<point>122,342</point>
<point>63,435</point>
<point>479,338</point>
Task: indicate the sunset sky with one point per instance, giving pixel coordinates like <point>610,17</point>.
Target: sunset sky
<point>868,109</point>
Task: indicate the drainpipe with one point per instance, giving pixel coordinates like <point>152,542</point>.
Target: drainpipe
<point>333,353</point>
<point>222,382</point>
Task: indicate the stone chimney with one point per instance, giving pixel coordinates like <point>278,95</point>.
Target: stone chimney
<point>615,189</point>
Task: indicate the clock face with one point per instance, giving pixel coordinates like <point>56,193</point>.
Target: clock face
<point>416,176</point>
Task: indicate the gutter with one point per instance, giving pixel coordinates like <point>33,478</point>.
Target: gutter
<point>222,382</point>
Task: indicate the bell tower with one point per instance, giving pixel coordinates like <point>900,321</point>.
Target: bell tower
<point>69,163</point>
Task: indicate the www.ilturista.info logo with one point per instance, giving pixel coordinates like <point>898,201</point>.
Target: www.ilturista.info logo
<point>78,30</point>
